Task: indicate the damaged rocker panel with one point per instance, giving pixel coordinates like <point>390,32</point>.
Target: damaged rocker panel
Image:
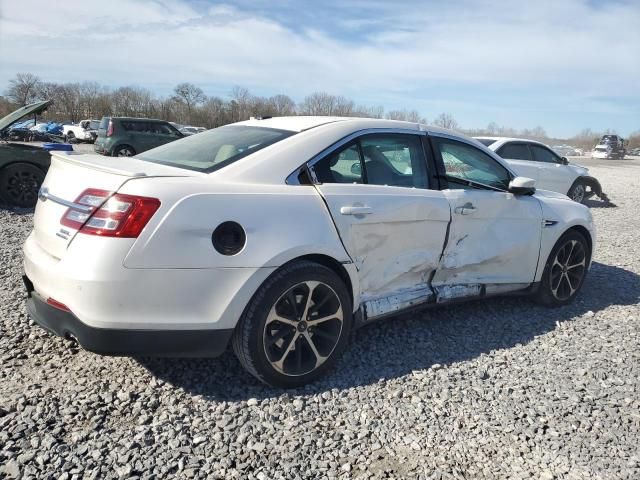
<point>424,295</point>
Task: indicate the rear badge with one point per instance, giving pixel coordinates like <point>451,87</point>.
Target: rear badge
<point>64,234</point>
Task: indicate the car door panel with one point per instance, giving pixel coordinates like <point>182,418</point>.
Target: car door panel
<point>395,237</point>
<point>494,237</point>
<point>497,242</point>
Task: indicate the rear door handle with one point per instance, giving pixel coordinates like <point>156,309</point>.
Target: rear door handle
<point>356,210</point>
<point>465,209</point>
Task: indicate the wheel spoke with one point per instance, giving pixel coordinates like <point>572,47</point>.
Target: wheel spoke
<point>279,335</point>
<point>583,263</point>
<point>317,321</point>
<point>294,304</point>
<point>319,358</point>
<point>312,286</point>
<point>280,363</point>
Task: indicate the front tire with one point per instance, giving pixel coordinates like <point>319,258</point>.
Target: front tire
<point>296,325</point>
<point>565,270</point>
<point>578,191</point>
<point>20,183</point>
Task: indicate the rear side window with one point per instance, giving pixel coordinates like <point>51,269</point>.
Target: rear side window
<point>515,151</point>
<point>541,154</point>
<point>380,159</point>
<point>215,148</point>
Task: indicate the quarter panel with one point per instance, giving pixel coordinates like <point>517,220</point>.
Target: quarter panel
<point>281,222</point>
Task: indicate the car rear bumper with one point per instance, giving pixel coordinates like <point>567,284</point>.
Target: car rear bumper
<point>129,342</point>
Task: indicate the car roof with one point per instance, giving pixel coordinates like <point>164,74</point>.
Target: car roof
<point>301,123</point>
<point>313,136</point>
<point>499,141</point>
<point>138,119</point>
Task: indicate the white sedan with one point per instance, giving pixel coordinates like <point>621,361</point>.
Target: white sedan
<point>279,236</point>
<point>550,171</point>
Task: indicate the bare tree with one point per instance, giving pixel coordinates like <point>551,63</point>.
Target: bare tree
<point>24,88</point>
<point>189,95</point>
<point>283,105</point>
<point>241,99</point>
<point>322,103</point>
<point>446,120</point>
<point>405,115</point>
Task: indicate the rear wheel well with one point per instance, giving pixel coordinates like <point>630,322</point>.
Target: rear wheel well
<point>332,264</point>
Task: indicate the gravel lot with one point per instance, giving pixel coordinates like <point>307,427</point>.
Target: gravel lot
<point>498,389</point>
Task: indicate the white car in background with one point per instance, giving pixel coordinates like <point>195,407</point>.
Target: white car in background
<point>84,131</point>
<point>279,236</point>
<point>550,171</point>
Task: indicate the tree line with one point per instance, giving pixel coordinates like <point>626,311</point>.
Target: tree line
<point>189,105</point>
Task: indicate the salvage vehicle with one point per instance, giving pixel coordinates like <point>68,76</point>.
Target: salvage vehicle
<point>22,167</point>
<point>125,137</point>
<point>550,171</point>
<point>280,236</point>
<point>610,147</point>
<point>84,131</point>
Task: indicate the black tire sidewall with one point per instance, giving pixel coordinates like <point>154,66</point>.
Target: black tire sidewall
<point>117,150</point>
<point>251,325</point>
<point>545,295</point>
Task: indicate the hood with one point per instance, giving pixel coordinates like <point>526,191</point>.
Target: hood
<point>550,194</point>
<point>579,169</point>
<point>33,108</point>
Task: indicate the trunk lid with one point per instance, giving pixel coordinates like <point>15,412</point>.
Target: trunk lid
<point>69,175</point>
<point>31,109</point>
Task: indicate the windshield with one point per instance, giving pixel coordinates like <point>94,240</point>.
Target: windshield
<point>216,148</point>
<point>486,141</point>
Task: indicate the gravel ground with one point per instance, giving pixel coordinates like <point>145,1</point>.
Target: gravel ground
<point>498,389</point>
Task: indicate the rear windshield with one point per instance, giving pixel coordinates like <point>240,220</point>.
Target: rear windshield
<point>486,141</point>
<point>104,123</point>
<point>216,148</point>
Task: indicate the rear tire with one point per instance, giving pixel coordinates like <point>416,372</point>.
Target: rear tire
<point>296,325</point>
<point>124,151</point>
<point>565,270</point>
<point>70,138</point>
<point>20,183</point>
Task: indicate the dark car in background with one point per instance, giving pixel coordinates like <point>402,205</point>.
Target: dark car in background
<point>22,167</point>
<point>125,137</point>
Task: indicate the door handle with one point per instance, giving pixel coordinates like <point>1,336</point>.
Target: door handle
<point>356,210</point>
<point>465,209</point>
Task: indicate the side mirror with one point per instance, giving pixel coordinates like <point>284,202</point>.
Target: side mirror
<point>356,169</point>
<point>564,161</point>
<point>522,186</point>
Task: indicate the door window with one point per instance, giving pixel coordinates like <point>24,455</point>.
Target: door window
<point>464,163</point>
<point>379,159</point>
<point>541,154</point>
<point>515,151</point>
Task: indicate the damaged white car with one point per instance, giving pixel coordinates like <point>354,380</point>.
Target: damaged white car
<point>280,236</point>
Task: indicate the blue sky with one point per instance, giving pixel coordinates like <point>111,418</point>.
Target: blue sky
<point>565,65</point>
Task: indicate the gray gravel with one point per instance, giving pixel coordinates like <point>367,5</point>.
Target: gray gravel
<point>498,389</point>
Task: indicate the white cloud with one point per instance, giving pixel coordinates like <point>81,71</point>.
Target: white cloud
<point>380,52</point>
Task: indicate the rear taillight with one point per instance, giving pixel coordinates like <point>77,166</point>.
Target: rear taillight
<point>110,129</point>
<point>118,215</point>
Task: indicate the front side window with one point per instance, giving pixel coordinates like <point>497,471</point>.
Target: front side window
<point>378,159</point>
<point>541,154</point>
<point>464,163</point>
<point>515,151</point>
<point>215,148</point>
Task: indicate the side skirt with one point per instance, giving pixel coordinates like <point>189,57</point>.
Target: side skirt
<point>426,297</point>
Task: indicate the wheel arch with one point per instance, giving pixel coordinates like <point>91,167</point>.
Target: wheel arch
<point>586,234</point>
<point>332,264</point>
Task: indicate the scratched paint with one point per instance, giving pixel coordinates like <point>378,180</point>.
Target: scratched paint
<point>400,300</point>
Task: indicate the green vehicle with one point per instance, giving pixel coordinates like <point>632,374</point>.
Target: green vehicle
<point>125,137</point>
<point>22,167</point>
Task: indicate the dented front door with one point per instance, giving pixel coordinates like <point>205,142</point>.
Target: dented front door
<point>395,237</point>
<point>493,243</point>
